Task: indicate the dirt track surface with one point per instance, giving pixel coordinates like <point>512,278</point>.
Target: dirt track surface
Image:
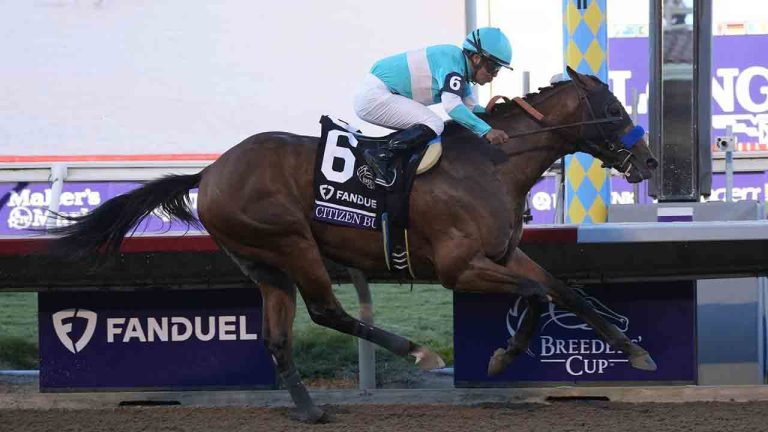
<point>558,416</point>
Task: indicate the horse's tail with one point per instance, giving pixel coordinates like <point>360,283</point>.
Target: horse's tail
<point>103,229</point>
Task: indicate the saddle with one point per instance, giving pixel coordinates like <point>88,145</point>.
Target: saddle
<point>346,194</point>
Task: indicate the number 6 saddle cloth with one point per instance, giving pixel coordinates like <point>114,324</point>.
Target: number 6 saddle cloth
<point>346,195</point>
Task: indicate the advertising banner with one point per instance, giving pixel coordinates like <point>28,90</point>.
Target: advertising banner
<point>152,340</point>
<point>23,206</point>
<point>660,316</point>
<point>746,186</point>
<point>739,84</point>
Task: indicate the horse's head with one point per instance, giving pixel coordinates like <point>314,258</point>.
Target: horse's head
<point>608,132</point>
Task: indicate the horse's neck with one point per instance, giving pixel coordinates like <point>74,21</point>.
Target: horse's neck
<point>530,156</point>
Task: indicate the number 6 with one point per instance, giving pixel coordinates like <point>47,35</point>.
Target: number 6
<point>455,83</point>
<point>333,151</point>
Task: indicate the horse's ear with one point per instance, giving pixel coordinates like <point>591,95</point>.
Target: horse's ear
<point>578,78</point>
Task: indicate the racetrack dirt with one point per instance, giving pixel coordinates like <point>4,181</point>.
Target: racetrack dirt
<point>557,416</point>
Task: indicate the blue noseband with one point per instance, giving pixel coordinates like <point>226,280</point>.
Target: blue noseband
<point>632,137</point>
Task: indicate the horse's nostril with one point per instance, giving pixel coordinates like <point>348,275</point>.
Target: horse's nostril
<point>652,163</point>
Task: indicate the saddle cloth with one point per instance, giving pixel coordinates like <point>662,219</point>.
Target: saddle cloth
<point>346,194</point>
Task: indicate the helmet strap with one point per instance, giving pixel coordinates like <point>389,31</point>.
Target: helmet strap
<point>474,68</point>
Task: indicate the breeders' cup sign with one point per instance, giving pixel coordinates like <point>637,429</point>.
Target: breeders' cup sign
<point>211,339</point>
<point>659,316</point>
<point>571,353</point>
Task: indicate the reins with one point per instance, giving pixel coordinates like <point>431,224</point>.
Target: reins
<point>539,117</point>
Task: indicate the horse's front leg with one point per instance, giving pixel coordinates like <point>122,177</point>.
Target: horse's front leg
<point>567,297</point>
<point>481,275</point>
<point>307,267</point>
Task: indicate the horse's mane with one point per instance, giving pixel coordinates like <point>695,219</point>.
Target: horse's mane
<point>543,92</point>
<point>462,139</point>
<point>454,128</point>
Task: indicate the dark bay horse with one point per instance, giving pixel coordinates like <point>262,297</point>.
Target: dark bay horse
<point>256,202</point>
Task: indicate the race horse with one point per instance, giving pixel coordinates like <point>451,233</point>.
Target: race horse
<point>466,215</point>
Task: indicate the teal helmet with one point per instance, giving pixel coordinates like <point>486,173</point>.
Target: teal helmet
<point>490,42</point>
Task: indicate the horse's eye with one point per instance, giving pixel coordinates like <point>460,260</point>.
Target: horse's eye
<point>614,110</point>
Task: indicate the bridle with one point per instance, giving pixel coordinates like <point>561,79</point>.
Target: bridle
<point>627,140</point>
<point>592,144</point>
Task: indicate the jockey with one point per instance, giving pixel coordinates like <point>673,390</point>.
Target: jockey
<point>396,92</point>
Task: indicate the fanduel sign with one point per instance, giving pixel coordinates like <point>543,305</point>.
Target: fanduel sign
<point>165,329</point>
<point>137,340</point>
<point>658,316</point>
<point>181,329</point>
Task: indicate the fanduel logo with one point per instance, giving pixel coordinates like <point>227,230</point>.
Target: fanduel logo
<point>326,191</point>
<point>64,329</point>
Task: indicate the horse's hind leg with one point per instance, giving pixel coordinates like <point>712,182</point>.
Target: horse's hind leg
<point>279,309</point>
<point>307,267</point>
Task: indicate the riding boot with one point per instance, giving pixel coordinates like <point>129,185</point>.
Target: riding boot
<point>379,160</point>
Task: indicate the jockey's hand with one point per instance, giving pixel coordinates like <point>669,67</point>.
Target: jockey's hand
<point>496,136</point>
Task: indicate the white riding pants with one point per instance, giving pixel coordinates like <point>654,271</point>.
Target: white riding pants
<point>375,104</point>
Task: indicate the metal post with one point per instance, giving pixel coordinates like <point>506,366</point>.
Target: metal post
<point>58,175</point>
<point>526,82</point>
<point>470,24</point>
<point>704,92</point>
<point>560,194</point>
<point>635,105</point>
<point>366,355</point>
<point>470,15</point>
<point>729,164</point>
<point>680,99</point>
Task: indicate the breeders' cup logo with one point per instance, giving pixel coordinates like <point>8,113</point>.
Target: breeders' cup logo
<point>63,329</point>
<point>562,337</point>
<point>365,175</point>
<point>326,191</point>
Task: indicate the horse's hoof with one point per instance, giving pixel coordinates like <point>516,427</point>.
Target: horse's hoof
<point>426,359</point>
<point>498,363</point>
<point>313,415</point>
<point>643,362</point>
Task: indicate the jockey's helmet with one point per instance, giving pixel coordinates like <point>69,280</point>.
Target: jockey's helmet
<point>490,42</point>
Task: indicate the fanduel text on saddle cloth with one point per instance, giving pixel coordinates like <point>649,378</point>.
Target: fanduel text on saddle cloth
<point>345,193</point>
